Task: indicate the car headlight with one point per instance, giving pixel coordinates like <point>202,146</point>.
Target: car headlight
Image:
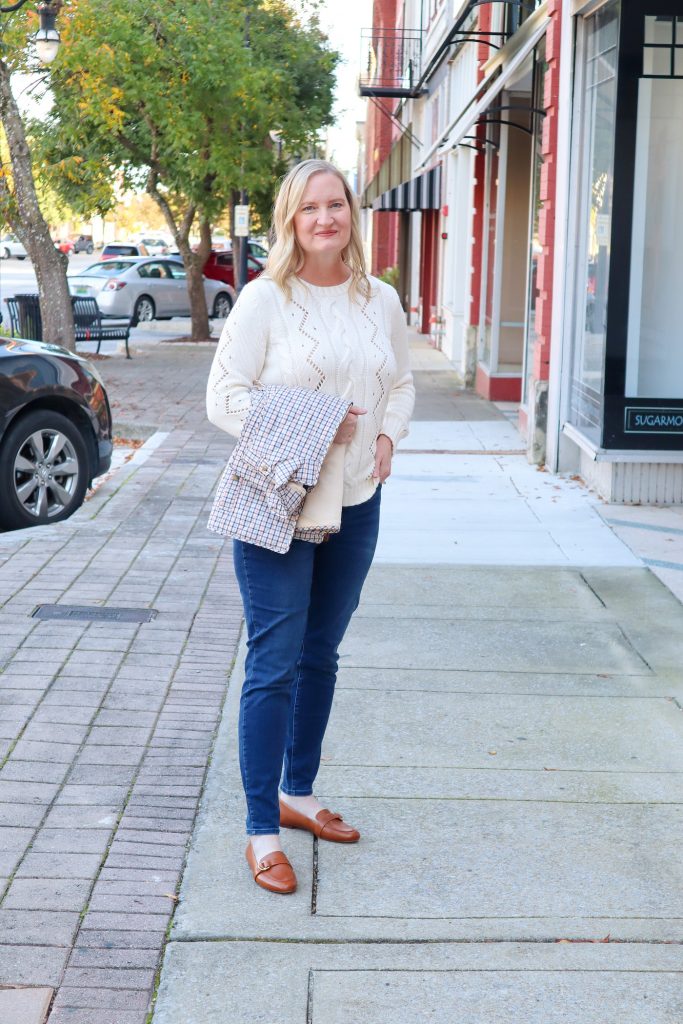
<point>92,369</point>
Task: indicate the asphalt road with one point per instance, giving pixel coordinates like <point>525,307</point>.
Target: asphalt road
<point>17,276</point>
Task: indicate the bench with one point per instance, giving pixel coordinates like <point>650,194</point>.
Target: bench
<point>90,325</point>
<point>88,321</point>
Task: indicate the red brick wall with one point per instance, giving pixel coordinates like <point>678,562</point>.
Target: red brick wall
<point>541,355</point>
<point>380,135</point>
<point>478,226</point>
<point>384,241</point>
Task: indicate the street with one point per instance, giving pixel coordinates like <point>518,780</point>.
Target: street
<point>18,276</point>
<point>507,734</point>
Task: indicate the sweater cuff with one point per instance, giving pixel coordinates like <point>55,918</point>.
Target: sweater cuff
<point>394,427</point>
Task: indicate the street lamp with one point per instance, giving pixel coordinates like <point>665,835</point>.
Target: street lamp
<point>47,36</point>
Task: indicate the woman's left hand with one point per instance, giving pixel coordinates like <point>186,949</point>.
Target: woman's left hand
<point>383,454</point>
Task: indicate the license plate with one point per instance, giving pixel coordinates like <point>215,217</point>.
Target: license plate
<point>81,289</point>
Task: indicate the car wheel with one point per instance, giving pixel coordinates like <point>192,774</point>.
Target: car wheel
<point>222,305</point>
<point>21,257</point>
<point>44,470</point>
<point>6,253</point>
<point>144,310</point>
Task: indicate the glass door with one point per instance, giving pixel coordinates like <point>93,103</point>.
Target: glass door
<point>594,145</point>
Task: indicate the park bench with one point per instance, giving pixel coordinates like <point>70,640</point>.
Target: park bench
<point>88,320</point>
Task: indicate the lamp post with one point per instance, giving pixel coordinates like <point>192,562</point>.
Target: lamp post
<point>46,38</point>
<point>243,276</point>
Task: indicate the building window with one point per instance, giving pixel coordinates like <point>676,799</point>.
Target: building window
<point>517,14</point>
<point>663,50</point>
<point>535,249</point>
<point>654,359</point>
<point>594,176</point>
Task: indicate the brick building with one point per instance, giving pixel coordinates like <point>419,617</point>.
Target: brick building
<point>501,139</point>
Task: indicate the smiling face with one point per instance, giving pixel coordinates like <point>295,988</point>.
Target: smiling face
<point>322,223</point>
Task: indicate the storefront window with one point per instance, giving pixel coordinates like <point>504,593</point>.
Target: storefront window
<point>491,226</point>
<point>535,248</point>
<point>595,175</point>
<point>518,13</point>
<point>654,361</point>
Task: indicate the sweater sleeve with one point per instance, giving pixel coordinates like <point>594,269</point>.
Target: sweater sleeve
<point>402,395</point>
<point>239,360</point>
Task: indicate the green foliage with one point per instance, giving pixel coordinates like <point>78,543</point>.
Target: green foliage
<point>166,95</point>
<point>390,276</point>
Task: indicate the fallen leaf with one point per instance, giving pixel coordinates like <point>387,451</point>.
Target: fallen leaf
<point>171,896</point>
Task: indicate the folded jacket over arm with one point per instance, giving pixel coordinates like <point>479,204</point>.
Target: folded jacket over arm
<point>279,455</point>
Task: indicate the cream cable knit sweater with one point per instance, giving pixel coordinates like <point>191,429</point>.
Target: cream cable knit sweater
<point>322,339</point>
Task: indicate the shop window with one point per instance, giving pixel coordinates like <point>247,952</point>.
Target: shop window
<point>654,361</point>
<point>535,248</point>
<point>663,49</point>
<point>594,175</point>
<point>491,227</point>
<point>517,13</point>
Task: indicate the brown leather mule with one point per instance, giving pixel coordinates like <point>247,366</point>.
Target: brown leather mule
<point>326,825</point>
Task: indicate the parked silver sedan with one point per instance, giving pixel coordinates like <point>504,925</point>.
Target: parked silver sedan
<point>146,289</point>
<point>11,246</point>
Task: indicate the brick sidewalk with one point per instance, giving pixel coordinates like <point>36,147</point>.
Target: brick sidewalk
<point>106,727</point>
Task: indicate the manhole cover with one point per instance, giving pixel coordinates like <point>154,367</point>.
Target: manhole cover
<point>94,614</point>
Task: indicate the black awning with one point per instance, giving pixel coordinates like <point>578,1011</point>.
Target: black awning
<point>420,193</point>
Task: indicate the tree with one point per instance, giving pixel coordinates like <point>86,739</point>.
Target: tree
<point>19,201</point>
<point>168,95</point>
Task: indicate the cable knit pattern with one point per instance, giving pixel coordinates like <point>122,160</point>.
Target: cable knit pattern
<point>321,339</point>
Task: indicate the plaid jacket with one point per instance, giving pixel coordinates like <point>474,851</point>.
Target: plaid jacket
<point>278,455</point>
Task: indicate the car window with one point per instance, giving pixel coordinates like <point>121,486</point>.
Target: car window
<point>224,259</point>
<point>154,270</point>
<point>121,250</point>
<point>258,250</point>
<point>177,271</point>
<point>254,264</point>
<point>105,269</point>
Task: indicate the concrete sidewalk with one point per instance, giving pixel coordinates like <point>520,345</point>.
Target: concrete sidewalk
<point>507,734</point>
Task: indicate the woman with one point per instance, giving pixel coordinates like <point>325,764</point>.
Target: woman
<point>314,319</point>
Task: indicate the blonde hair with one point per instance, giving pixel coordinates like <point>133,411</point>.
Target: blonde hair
<point>286,257</point>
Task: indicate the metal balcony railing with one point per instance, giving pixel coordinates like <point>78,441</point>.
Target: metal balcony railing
<point>391,62</point>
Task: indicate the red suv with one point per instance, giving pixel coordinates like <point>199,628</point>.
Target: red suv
<point>219,266</point>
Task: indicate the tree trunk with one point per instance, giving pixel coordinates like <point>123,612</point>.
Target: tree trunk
<point>194,262</point>
<point>49,264</point>
<point>201,330</point>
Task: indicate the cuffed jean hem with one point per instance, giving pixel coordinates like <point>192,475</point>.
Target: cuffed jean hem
<point>263,831</point>
<point>296,792</point>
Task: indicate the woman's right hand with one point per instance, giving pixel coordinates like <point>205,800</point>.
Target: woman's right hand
<point>347,427</point>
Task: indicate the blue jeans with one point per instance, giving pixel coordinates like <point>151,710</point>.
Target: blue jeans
<point>297,607</point>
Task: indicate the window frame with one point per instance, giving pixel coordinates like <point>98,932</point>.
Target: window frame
<point>619,411</point>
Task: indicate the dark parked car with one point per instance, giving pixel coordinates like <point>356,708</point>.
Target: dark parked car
<point>84,243</point>
<point>113,250</point>
<point>55,432</point>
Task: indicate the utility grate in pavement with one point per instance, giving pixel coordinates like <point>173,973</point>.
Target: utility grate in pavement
<point>94,613</point>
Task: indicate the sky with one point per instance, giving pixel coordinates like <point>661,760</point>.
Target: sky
<point>343,20</point>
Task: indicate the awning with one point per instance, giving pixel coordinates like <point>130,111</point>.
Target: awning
<point>420,193</point>
<point>498,72</point>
